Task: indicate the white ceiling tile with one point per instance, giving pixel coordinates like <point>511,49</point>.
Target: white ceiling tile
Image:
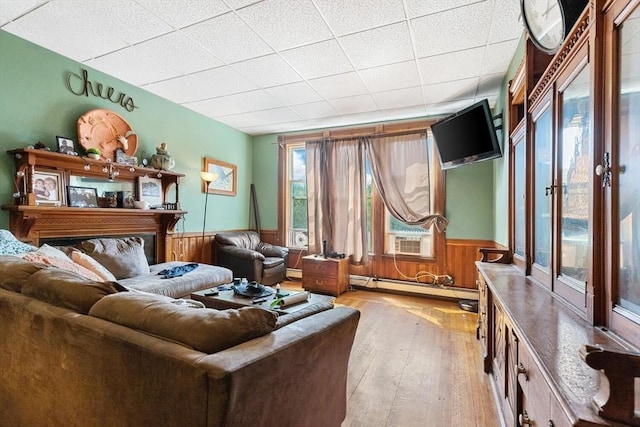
<point>235,104</point>
<point>489,85</point>
<point>498,56</point>
<point>294,93</point>
<point>315,110</point>
<point>379,46</point>
<point>450,91</point>
<point>399,98</point>
<point>388,77</point>
<point>339,85</point>
<point>453,30</point>
<point>318,60</point>
<point>354,104</point>
<point>448,108</point>
<point>451,66</point>
<point>162,58</point>
<point>200,86</point>
<point>506,23</point>
<point>10,10</point>
<point>181,13</point>
<point>428,7</point>
<point>280,127</point>
<point>346,17</point>
<point>264,117</point>
<point>267,71</point>
<point>228,38</point>
<point>304,24</point>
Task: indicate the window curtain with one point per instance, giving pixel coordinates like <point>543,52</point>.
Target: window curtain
<point>400,169</point>
<point>336,197</point>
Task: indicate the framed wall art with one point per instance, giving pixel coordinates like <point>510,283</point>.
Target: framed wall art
<point>226,177</point>
<point>150,190</point>
<point>66,145</point>
<point>48,188</point>
<point>82,197</point>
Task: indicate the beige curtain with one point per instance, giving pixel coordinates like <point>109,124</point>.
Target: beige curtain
<point>336,197</point>
<point>400,169</point>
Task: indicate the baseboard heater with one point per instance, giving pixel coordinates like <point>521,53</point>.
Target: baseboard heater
<point>364,282</point>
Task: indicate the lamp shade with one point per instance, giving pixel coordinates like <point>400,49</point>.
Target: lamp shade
<point>208,176</point>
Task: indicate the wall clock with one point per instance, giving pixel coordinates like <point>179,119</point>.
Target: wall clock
<point>549,21</point>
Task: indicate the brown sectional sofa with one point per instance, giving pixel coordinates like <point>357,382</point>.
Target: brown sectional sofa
<point>74,352</point>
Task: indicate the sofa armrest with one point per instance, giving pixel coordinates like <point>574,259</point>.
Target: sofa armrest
<point>297,374</point>
<point>270,250</point>
<point>241,253</point>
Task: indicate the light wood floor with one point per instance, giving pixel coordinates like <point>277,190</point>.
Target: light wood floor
<point>415,362</point>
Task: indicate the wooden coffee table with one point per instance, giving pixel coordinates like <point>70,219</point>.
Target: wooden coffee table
<point>229,299</point>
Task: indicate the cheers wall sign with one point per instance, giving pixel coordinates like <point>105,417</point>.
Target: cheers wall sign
<point>79,84</point>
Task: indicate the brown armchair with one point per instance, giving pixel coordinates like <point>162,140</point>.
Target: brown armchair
<point>243,253</point>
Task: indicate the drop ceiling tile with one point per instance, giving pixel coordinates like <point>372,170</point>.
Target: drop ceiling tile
<point>267,71</point>
<point>506,23</point>
<point>196,87</point>
<point>447,108</point>
<point>181,13</point>
<point>285,24</point>
<point>346,17</point>
<point>498,56</point>
<point>399,98</point>
<point>453,30</point>
<point>13,9</point>
<point>278,128</point>
<point>294,93</point>
<point>379,46</point>
<point>388,77</point>
<point>429,7</point>
<point>228,38</point>
<point>339,85</point>
<point>264,117</point>
<point>162,58</point>
<point>489,85</point>
<point>452,66</point>
<point>354,104</point>
<point>382,116</point>
<point>235,104</point>
<point>318,60</point>
<point>450,91</point>
<point>315,110</point>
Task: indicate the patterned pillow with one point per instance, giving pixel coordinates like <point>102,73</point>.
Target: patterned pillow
<point>9,245</point>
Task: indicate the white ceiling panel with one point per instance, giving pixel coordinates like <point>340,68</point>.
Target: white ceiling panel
<point>380,46</point>
<point>285,24</point>
<point>339,85</point>
<point>318,60</point>
<point>389,77</point>
<point>346,17</point>
<point>228,38</point>
<point>269,66</point>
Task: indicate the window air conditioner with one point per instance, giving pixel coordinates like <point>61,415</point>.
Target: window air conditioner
<point>405,245</point>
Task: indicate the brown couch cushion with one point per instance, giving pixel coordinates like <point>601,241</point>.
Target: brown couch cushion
<point>203,329</point>
<point>124,258</point>
<point>65,289</point>
<point>15,271</point>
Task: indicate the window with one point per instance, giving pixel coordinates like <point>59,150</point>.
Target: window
<point>296,218</point>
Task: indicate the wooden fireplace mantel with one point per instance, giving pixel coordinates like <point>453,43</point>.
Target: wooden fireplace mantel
<point>32,224</point>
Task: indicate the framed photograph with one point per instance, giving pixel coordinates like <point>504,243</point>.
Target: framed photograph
<point>66,145</point>
<point>150,190</point>
<point>48,188</point>
<point>225,177</point>
<point>82,197</point>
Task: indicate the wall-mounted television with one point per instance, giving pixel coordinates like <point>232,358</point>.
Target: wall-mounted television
<point>466,137</point>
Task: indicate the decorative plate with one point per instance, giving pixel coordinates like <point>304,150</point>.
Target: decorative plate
<point>106,131</point>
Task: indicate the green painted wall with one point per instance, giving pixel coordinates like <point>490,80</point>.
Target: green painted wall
<point>265,179</point>
<point>35,105</point>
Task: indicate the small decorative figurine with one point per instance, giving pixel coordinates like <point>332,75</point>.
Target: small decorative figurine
<point>162,159</point>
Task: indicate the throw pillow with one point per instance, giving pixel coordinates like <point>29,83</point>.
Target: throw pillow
<point>124,257</point>
<point>68,290</point>
<point>203,329</point>
<point>15,271</point>
<point>50,251</point>
<point>91,264</point>
<point>9,245</point>
<point>64,264</point>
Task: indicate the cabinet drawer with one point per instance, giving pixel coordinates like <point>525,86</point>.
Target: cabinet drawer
<point>319,268</point>
<point>319,283</point>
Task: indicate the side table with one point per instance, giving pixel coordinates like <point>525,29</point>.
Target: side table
<point>325,275</point>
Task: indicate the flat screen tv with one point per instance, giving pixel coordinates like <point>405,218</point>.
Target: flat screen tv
<point>467,136</point>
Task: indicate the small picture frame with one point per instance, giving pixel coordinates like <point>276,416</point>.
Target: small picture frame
<point>82,197</point>
<point>150,190</point>
<point>48,187</point>
<point>66,145</point>
<point>225,177</point>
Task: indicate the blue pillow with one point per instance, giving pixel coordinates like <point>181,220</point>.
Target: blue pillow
<point>9,245</point>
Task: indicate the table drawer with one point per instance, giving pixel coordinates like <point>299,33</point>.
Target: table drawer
<point>319,268</point>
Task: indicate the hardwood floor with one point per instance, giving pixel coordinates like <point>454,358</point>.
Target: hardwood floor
<point>415,362</point>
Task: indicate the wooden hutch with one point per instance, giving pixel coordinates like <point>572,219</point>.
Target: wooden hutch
<point>34,221</point>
